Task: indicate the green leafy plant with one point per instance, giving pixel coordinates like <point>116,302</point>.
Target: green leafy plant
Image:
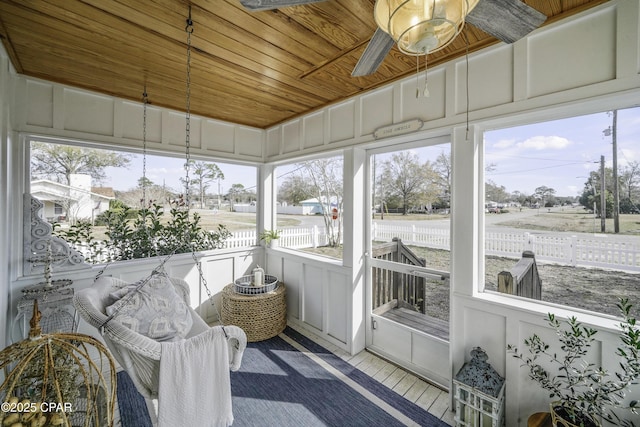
<point>583,392</point>
<point>270,235</point>
<point>146,235</point>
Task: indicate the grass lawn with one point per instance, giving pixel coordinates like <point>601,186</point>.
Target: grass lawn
<point>576,220</point>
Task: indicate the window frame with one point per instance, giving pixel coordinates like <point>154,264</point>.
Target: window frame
<point>560,112</point>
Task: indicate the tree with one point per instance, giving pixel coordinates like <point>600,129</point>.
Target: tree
<point>413,183</point>
<point>146,189</point>
<point>544,193</point>
<point>294,189</point>
<point>630,187</point>
<point>203,174</point>
<point>59,162</point>
<point>592,191</point>
<point>442,166</point>
<point>495,193</point>
<point>325,177</point>
<point>236,194</point>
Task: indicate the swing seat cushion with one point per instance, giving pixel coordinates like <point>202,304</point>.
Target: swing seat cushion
<point>156,310</point>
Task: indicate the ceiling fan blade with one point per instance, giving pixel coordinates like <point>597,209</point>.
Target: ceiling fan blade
<point>258,5</point>
<point>373,55</point>
<point>506,20</point>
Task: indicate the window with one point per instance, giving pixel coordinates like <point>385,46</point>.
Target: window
<point>95,190</point>
<point>551,217</point>
<point>309,206</point>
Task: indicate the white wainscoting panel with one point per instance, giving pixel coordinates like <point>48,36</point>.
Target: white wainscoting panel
<point>39,103</point>
<point>477,324</point>
<point>274,136</point>
<point>132,114</point>
<point>573,55</point>
<point>218,136</point>
<point>248,141</point>
<point>337,307</point>
<point>376,110</point>
<point>174,129</point>
<point>86,112</point>
<point>393,337</point>
<point>313,130</point>
<point>291,137</point>
<point>430,358</point>
<point>319,296</point>
<point>313,300</point>
<point>55,110</point>
<point>424,108</point>
<point>342,120</point>
<point>490,76</point>
<point>293,278</point>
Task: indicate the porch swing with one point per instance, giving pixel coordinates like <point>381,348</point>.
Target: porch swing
<point>158,339</point>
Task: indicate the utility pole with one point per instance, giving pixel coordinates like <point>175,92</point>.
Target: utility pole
<point>613,132</point>
<point>603,199</point>
<point>616,198</point>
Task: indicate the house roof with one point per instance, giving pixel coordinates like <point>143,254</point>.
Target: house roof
<point>252,68</point>
<point>104,191</point>
<point>44,189</point>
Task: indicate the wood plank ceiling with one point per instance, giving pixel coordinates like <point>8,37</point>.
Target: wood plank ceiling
<point>251,68</point>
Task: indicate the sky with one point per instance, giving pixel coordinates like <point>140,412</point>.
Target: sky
<point>558,154</point>
<point>168,171</point>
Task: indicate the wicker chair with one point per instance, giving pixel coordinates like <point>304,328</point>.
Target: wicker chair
<point>136,353</point>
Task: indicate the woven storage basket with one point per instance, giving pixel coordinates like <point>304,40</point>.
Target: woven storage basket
<point>261,316</point>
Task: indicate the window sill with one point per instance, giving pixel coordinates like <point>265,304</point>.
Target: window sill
<point>542,308</point>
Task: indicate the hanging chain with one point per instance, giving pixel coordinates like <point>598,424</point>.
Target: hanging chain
<point>466,58</point>
<point>145,101</point>
<point>187,131</point>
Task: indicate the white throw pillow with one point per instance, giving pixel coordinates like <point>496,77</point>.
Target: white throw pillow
<point>156,310</point>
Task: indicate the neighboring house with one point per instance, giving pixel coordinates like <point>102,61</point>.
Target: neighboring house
<point>314,206</point>
<point>71,202</point>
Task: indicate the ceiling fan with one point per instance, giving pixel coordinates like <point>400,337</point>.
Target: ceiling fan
<point>256,5</point>
<point>506,20</point>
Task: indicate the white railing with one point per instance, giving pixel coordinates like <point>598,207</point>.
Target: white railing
<point>574,250</point>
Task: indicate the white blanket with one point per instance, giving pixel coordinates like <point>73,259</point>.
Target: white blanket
<point>194,385</point>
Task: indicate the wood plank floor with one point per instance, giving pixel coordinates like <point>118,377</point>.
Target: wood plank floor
<point>427,396</point>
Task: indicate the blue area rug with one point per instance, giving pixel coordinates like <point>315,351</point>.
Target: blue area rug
<point>279,386</point>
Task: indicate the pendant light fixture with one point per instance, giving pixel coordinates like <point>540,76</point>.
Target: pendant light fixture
<point>420,27</point>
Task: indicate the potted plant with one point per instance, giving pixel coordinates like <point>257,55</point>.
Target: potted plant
<point>583,393</point>
<point>270,237</point>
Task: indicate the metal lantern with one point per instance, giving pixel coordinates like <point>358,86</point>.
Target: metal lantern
<point>479,393</point>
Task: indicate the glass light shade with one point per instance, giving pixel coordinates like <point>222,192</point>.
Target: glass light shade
<point>420,27</point>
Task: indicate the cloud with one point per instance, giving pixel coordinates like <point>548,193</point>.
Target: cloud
<point>545,143</point>
<point>504,143</point>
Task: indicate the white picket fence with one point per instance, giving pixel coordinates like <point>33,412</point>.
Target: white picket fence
<point>575,250</point>
<point>294,238</point>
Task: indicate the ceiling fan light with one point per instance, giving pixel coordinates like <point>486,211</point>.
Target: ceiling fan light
<point>422,26</point>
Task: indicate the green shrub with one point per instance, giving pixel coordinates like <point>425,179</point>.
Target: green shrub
<point>143,234</point>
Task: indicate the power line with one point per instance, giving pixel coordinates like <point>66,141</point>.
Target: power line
<point>541,158</point>
<point>519,171</point>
